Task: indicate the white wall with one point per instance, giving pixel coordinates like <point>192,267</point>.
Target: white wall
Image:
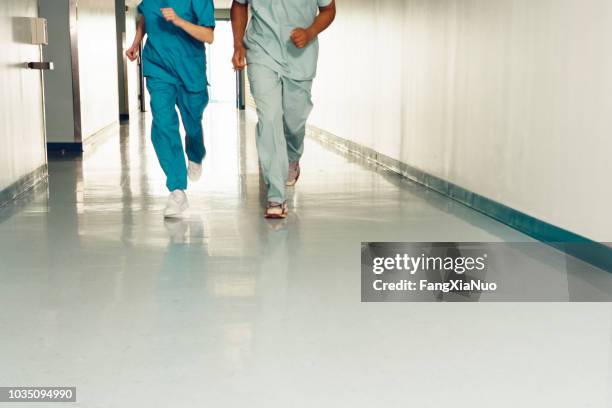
<point>223,4</point>
<point>511,99</point>
<point>22,144</point>
<point>97,65</point>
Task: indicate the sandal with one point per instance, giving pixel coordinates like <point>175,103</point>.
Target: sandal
<point>294,174</point>
<point>276,211</point>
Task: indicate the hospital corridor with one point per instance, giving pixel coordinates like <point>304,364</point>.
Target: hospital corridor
<point>467,129</point>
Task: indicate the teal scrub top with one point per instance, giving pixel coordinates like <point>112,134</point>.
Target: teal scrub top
<point>171,54</point>
<point>268,37</point>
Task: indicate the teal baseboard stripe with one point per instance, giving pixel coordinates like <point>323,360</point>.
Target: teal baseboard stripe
<point>65,147</point>
<point>23,185</point>
<point>595,253</point>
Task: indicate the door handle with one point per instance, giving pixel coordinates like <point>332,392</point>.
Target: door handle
<point>43,66</point>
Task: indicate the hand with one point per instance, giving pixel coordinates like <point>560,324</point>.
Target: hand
<point>239,59</point>
<point>132,52</point>
<point>171,16</point>
<point>301,37</point>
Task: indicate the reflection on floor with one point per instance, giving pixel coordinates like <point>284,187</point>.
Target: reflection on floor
<point>225,309</point>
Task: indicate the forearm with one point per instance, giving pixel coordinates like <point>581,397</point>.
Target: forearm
<point>140,32</point>
<point>323,20</point>
<point>239,16</point>
<point>204,34</point>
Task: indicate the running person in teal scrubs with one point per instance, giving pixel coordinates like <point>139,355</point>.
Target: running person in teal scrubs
<point>281,49</point>
<point>174,62</point>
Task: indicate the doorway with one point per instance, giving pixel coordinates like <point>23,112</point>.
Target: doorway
<point>221,76</point>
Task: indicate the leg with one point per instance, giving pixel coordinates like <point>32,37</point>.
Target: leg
<point>165,133</point>
<point>297,105</point>
<point>266,88</point>
<point>192,105</point>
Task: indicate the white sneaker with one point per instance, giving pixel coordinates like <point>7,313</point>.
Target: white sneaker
<point>194,171</point>
<point>177,204</point>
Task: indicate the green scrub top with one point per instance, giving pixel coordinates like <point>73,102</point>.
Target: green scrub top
<point>171,54</point>
<point>268,37</point>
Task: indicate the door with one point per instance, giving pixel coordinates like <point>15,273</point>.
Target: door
<point>22,128</point>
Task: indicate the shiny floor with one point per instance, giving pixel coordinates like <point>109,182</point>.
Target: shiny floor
<point>225,309</point>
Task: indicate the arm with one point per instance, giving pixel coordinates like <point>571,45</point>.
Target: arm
<point>132,52</point>
<point>301,37</point>
<point>240,17</point>
<point>200,33</point>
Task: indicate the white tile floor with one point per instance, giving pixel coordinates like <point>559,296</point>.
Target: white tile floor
<point>225,309</point>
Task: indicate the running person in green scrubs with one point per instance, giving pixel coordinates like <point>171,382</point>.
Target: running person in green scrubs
<point>174,62</point>
<point>281,49</point>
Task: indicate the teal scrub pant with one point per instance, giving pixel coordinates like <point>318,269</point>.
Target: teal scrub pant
<point>165,133</point>
<point>283,107</point>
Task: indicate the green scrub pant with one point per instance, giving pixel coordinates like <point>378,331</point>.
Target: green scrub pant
<point>283,107</point>
<point>165,133</point>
